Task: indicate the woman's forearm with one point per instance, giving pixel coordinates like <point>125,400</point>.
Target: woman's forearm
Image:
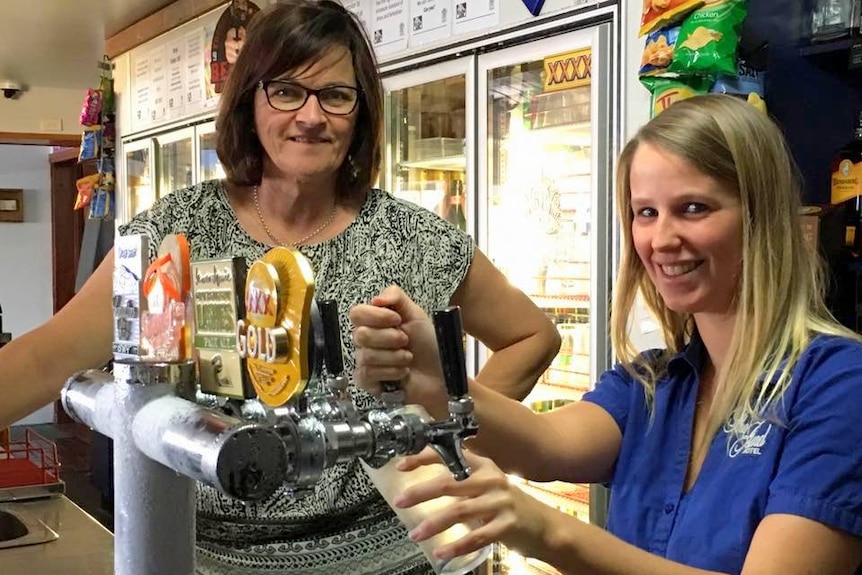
<point>575,547</point>
<point>514,370</point>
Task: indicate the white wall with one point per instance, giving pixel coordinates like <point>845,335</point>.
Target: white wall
<point>39,109</point>
<point>636,98</point>
<point>26,281</point>
<point>636,106</point>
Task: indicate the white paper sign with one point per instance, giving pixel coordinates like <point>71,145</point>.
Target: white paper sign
<point>389,29</point>
<point>159,84</point>
<point>473,15</point>
<point>141,70</point>
<point>430,21</point>
<point>194,69</point>
<point>176,78</point>
<point>363,11</point>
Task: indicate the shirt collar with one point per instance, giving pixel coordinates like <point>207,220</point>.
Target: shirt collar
<point>692,356</point>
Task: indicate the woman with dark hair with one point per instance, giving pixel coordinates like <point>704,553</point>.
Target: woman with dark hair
<point>299,130</point>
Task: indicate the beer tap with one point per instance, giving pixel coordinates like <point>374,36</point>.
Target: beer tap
<point>169,431</point>
<point>447,436</point>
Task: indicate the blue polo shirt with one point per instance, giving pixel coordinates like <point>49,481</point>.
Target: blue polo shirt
<point>811,465</point>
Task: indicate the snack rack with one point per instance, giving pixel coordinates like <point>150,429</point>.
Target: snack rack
<point>29,468</point>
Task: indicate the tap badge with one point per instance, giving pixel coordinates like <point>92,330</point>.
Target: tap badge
<point>273,337</point>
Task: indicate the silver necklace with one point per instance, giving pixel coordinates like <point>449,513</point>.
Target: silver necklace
<point>297,243</point>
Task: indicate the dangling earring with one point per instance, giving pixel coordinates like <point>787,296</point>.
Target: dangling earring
<point>354,169</point>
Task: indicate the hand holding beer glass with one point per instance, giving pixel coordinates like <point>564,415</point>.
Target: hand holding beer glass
<point>445,437</point>
<point>391,483</point>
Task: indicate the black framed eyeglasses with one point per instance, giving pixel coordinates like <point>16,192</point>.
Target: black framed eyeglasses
<point>289,96</point>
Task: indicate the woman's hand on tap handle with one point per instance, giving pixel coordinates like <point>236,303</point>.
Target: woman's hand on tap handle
<point>395,341</point>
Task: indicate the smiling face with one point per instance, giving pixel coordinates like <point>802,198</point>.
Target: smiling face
<point>308,144</point>
<point>687,231</point>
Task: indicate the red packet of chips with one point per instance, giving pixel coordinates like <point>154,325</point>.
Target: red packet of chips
<point>660,13</point>
<point>91,109</point>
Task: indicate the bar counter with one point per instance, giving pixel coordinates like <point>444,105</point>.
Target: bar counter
<point>84,546</point>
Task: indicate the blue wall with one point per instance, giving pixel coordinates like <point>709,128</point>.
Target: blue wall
<point>814,98</point>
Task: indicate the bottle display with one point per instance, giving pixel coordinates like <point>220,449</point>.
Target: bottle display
<point>426,125</point>
<point>540,183</point>
<point>847,186</point>
<point>455,214</point>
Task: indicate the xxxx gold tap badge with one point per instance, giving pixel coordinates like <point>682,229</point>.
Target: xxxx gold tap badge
<point>273,337</point>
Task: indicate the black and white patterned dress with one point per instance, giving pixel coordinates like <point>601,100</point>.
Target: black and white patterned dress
<point>344,527</point>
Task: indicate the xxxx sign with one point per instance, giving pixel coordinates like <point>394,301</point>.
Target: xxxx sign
<point>569,70</point>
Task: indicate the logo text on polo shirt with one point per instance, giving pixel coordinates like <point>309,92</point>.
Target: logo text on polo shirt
<point>750,441</point>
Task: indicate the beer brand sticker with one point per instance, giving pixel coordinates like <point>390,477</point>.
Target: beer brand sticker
<point>278,294</point>
<point>569,70</point>
<point>846,181</point>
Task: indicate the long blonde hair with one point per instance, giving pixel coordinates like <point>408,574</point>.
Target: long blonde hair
<point>779,302</point>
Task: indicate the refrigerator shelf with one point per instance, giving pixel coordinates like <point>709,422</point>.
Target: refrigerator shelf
<point>579,301</point>
<point>457,163</point>
<point>574,492</point>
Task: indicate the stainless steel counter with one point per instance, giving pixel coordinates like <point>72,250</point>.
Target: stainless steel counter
<point>84,546</point>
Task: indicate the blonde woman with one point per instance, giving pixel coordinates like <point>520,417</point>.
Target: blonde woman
<point>736,449</point>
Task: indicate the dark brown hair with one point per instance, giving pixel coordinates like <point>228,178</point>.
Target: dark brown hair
<point>287,36</point>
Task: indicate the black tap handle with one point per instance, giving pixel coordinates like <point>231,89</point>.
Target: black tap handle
<point>331,336</point>
<point>450,341</point>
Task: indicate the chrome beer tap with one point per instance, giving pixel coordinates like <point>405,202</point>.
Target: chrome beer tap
<point>169,430</point>
<point>403,433</point>
<point>448,435</point>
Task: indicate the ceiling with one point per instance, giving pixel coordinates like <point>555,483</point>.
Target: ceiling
<point>57,43</point>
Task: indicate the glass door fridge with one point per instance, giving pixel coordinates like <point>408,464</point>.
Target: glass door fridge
<point>208,165</point>
<point>428,156</point>
<point>544,216</point>
<point>176,160</point>
<point>139,164</point>
<point>532,161</point>
<point>157,165</point>
<point>429,153</point>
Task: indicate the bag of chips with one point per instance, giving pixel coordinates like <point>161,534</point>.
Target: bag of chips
<point>667,90</point>
<point>85,187</point>
<point>661,13</point>
<point>91,141</point>
<point>708,39</point>
<point>91,109</point>
<point>658,51</point>
<point>746,81</point>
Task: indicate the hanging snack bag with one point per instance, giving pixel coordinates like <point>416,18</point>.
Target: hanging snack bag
<point>746,81</point>
<point>91,141</point>
<point>91,110</point>
<point>658,51</point>
<point>85,187</point>
<point>667,90</point>
<point>708,39</point>
<point>661,13</point>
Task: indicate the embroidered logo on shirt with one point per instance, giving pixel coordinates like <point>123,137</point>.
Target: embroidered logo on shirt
<point>750,440</point>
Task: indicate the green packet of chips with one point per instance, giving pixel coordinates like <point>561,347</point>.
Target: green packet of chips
<point>708,39</point>
<point>667,90</point>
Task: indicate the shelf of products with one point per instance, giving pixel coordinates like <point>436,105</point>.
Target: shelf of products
<point>456,163</point>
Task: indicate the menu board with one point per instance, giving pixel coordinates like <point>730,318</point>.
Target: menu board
<point>169,79</point>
